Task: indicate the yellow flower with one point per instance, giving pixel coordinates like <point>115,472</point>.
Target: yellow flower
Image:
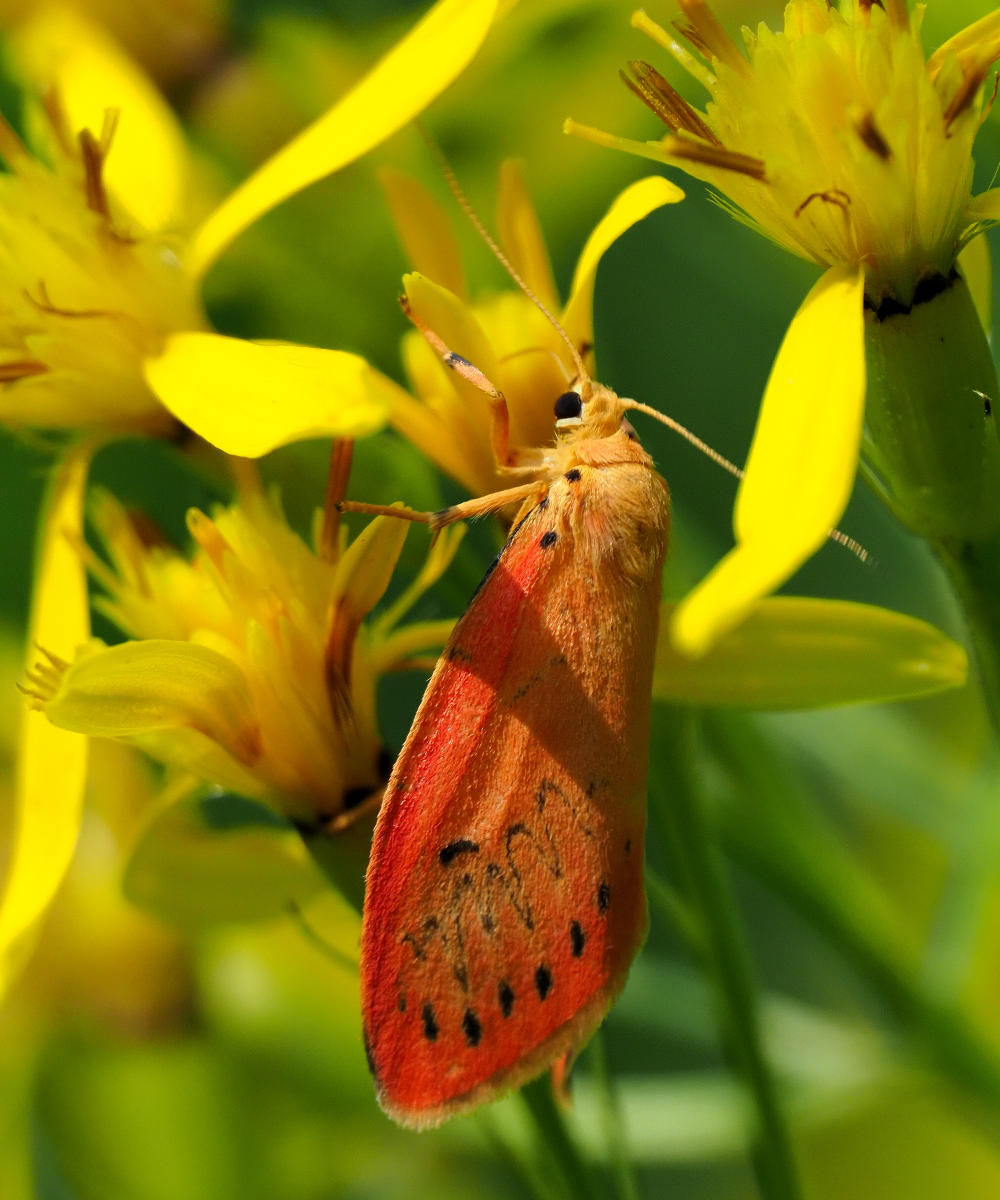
<point>837,139</point>
<point>251,666</point>
<point>506,335</point>
<point>144,331</point>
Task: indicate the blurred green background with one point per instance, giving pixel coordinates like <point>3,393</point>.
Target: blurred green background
<point>228,1063</point>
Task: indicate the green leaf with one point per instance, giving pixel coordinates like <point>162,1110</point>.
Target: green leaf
<point>793,653</point>
<point>219,858</point>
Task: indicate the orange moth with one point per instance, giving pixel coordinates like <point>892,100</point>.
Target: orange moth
<point>504,897</point>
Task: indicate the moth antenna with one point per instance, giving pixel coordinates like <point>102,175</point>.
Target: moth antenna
<point>835,535</point>
<point>504,261</point>
<point>695,441</point>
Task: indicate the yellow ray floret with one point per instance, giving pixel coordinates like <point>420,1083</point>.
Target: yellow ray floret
<point>51,763</point>
<point>802,462</point>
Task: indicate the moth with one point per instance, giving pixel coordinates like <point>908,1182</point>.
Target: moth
<point>504,896</point>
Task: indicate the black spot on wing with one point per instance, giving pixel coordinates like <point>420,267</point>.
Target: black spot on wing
<point>540,506</point>
<point>448,854</point>
<point>472,1027</point>
<point>543,981</point>
<point>431,1029</point>
<point>572,476</point>
<point>577,939</point>
<point>505,994</point>
<point>603,896</point>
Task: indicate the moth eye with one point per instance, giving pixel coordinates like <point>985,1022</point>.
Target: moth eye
<point>568,405</point>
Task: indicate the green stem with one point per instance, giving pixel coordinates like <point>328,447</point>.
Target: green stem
<point>614,1127</point>
<point>576,1173</point>
<point>974,569</point>
<point>679,822</point>
<point>774,834</point>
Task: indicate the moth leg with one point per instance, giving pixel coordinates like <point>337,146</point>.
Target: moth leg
<point>385,510</point>
<point>529,493</point>
<point>508,458</point>
<point>347,818</point>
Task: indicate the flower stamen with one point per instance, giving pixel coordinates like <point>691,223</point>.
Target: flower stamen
<point>697,70</point>
<point>704,32</point>
<point>665,101</point>
<point>341,458</point>
<point>45,305</point>
<point>869,133</point>
<point>12,371</point>
<point>965,95</point>
<point>833,196</point>
<point>44,679</point>
<point>93,166</point>
<point>715,156</point>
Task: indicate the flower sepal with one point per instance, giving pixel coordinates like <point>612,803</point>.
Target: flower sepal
<point>930,448</point>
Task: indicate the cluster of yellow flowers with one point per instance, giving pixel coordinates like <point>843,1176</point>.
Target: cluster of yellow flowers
<point>252,664</point>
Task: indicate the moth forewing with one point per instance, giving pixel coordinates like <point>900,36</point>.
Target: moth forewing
<point>505,900</point>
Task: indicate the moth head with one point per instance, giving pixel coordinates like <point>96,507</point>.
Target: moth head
<point>588,410</point>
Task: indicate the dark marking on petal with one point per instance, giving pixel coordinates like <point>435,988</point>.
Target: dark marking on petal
<point>628,846</point>
<point>577,939</point>
<point>543,981</point>
<point>549,539</point>
<point>473,1028</point>
<point>603,896</point>
<point>572,476</point>
<point>459,654</point>
<point>401,1002</point>
<point>451,358</point>
<point>505,994</point>
<point>431,1029</point>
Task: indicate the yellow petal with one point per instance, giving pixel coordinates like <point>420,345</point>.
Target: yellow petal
<point>411,639</point>
<point>433,54</point>
<point>635,202</point>
<point>802,462</point>
<point>984,207</point>
<point>248,399</point>
<point>453,322</point>
<point>976,263</point>
<point>51,763</point>
<point>366,567</point>
<point>146,687</point>
<point>982,39</point>
<point>793,653</point>
<point>425,231</point>
<point>521,234</point>
<point>147,166</point>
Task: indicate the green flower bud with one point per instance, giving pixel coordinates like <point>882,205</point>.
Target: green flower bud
<point>930,444</point>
